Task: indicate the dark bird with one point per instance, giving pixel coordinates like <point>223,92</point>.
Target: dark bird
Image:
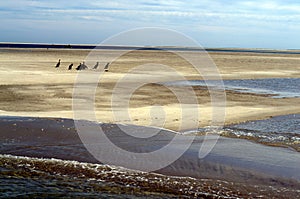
<point>96,66</point>
<point>106,67</point>
<point>58,63</point>
<point>70,66</point>
<point>78,67</point>
<point>82,66</point>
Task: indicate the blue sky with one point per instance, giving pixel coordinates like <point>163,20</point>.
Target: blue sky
<point>213,23</point>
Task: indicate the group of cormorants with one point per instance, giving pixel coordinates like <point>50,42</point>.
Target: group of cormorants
<point>83,66</point>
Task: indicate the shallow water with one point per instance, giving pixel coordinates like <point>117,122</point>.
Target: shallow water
<point>235,168</point>
<point>43,178</point>
<point>278,87</point>
<point>26,177</point>
<point>276,131</point>
<point>279,124</point>
<point>281,130</point>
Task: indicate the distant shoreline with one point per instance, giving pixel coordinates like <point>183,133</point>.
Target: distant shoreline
<point>116,47</point>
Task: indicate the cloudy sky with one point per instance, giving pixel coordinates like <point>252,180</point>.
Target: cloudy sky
<point>213,23</point>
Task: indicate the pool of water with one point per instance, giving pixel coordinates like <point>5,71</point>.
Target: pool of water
<point>280,130</point>
<point>279,124</point>
<point>277,87</point>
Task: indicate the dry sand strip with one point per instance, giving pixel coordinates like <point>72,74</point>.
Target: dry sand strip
<point>31,86</point>
<point>230,160</point>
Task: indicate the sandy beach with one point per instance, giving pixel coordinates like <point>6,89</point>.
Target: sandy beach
<point>150,99</point>
<point>30,85</point>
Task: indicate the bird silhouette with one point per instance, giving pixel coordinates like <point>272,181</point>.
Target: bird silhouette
<point>70,66</point>
<point>82,66</point>
<point>58,64</point>
<point>106,67</point>
<point>78,67</point>
<point>96,66</point>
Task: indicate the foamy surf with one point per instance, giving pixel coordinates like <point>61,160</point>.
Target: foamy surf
<point>54,177</point>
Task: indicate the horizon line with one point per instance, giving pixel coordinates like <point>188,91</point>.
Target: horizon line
<point>141,47</point>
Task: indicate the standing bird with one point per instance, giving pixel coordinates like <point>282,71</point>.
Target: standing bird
<point>58,64</point>
<point>70,66</point>
<point>96,66</point>
<point>78,67</point>
<point>83,66</point>
<point>106,67</point>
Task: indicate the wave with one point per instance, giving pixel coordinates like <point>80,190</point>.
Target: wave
<point>77,178</point>
<point>276,131</point>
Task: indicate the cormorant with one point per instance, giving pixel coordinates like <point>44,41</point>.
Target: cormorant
<point>96,66</point>
<point>58,63</point>
<point>70,66</point>
<point>83,66</point>
<point>106,67</point>
<point>78,67</point>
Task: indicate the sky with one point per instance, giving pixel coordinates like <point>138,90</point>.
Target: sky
<point>212,23</point>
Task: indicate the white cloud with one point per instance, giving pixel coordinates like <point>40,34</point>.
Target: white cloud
<point>271,6</point>
<point>218,16</point>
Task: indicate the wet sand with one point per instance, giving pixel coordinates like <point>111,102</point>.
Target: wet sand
<point>31,86</point>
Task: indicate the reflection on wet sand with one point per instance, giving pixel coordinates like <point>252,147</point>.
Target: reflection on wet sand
<point>243,163</point>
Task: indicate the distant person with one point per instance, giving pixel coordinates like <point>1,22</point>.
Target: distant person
<point>58,64</point>
<point>70,66</point>
<point>96,66</point>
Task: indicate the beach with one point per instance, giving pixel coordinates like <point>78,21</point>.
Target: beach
<point>36,117</point>
<point>31,86</point>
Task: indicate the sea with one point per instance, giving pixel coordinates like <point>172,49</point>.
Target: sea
<point>275,87</point>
